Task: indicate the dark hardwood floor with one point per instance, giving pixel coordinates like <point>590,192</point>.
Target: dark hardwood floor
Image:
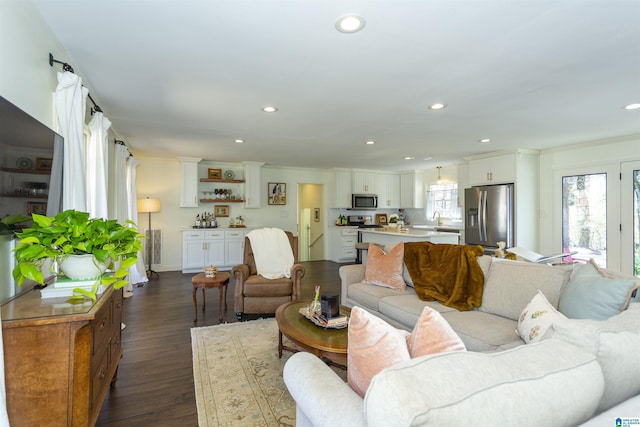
<point>155,377</point>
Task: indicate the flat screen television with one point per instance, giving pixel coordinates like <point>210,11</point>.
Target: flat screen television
<point>28,150</point>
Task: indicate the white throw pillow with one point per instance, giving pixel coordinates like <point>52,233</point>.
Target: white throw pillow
<point>536,318</point>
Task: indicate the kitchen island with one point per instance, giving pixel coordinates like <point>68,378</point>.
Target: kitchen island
<point>384,236</point>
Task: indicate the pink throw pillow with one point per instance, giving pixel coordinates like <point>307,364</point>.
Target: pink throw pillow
<point>373,346</point>
<point>433,334</point>
<point>385,269</point>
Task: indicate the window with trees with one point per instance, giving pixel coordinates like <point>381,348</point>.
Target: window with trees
<point>584,216</point>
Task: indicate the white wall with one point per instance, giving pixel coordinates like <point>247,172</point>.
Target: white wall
<point>26,79</point>
<point>160,178</point>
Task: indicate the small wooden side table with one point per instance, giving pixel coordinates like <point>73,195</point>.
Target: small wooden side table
<point>200,281</point>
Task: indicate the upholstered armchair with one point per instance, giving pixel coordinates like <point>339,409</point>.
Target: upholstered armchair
<point>255,294</point>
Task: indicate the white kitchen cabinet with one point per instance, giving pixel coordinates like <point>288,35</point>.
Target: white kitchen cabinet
<point>364,182</point>
<point>412,193</point>
<point>188,182</point>
<point>253,185</point>
<point>341,188</point>
<point>233,247</point>
<point>343,243</point>
<point>493,170</point>
<point>388,188</point>
<point>203,247</point>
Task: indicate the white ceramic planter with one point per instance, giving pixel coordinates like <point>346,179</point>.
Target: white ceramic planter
<point>82,267</point>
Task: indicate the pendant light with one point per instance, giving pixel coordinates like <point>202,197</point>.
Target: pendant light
<point>439,179</point>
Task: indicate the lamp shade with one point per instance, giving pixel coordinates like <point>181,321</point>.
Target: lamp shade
<point>148,205</point>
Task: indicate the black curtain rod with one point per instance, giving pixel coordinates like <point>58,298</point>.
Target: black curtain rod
<point>66,67</point>
<point>119,142</point>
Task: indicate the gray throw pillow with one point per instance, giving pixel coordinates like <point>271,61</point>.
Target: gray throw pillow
<point>589,295</point>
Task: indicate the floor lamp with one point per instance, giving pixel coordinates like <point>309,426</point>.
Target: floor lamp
<point>148,206</point>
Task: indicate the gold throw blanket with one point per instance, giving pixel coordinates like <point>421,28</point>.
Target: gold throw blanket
<point>449,274</point>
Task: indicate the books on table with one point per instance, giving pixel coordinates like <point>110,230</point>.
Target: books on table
<point>532,256</point>
<point>53,292</point>
<point>332,321</point>
<point>64,287</point>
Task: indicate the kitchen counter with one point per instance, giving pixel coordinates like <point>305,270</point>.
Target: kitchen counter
<point>442,227</point>
<point>386,237</point>
<point>375,234</point>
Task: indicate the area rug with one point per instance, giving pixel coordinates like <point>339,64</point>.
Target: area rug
<point>238,376</point>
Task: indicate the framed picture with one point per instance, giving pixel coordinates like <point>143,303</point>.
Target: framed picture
<point>215,173</point>
<point>316,214</point>
<point>43,164</point>
<point>221,211</point>
<point>277,193</point>
<point>381,219</point>
<point>39,208</point>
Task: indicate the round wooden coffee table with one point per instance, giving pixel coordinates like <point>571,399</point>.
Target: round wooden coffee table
<point>330,345</point>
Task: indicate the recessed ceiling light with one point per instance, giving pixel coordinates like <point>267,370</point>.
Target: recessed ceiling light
<point>632,107</point>
<point>269,109</point>
<point>369,142</point>
<point>350,24</point>
<point>238,141</point>
<point>437,106</point>
<point>484,140</point>
<point>409,158</point>
<point>428,158</point>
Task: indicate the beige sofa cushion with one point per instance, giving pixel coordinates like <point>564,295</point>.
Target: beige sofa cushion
<point>616,344</point>
<point>512,284</point>
<point>467,388</point>
<point>482,331</point>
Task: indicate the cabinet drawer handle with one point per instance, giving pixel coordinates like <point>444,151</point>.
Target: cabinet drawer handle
<point>102,374</point>
<point>103,324</point>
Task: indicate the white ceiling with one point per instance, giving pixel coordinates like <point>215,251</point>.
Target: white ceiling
<point>187,77</point>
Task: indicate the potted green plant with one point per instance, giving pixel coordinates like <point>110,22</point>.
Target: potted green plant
<point>72,234</point>
<point>393,220</point>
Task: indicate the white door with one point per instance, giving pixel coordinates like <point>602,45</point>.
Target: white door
<point>630,217</point>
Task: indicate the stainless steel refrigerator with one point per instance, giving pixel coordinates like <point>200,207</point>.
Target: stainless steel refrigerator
<point>489,216</point>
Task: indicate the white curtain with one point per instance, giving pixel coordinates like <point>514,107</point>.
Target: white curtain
<point>96,166</point>
<point>137,273</point>
<point>120,183</point>
<point>70,100</point>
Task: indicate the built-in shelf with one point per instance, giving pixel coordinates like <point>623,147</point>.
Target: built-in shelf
<point>220,201</point>
<point>30,171</point>
<point>25,196</point>
<point>229,181</point>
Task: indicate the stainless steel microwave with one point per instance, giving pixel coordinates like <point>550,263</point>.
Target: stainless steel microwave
<point>364,201</point>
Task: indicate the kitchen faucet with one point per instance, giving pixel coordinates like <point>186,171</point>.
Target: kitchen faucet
<point>434,217</point>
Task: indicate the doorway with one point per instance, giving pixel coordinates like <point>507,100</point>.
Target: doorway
<point>311,222</point>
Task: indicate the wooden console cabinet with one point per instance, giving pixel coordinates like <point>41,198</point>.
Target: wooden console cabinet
<point>60,358</point>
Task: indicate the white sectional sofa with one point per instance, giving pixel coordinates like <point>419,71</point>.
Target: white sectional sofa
<point>583,372</point>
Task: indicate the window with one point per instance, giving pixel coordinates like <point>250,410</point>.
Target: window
<point>584,216</point>
<point>443,198</point>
